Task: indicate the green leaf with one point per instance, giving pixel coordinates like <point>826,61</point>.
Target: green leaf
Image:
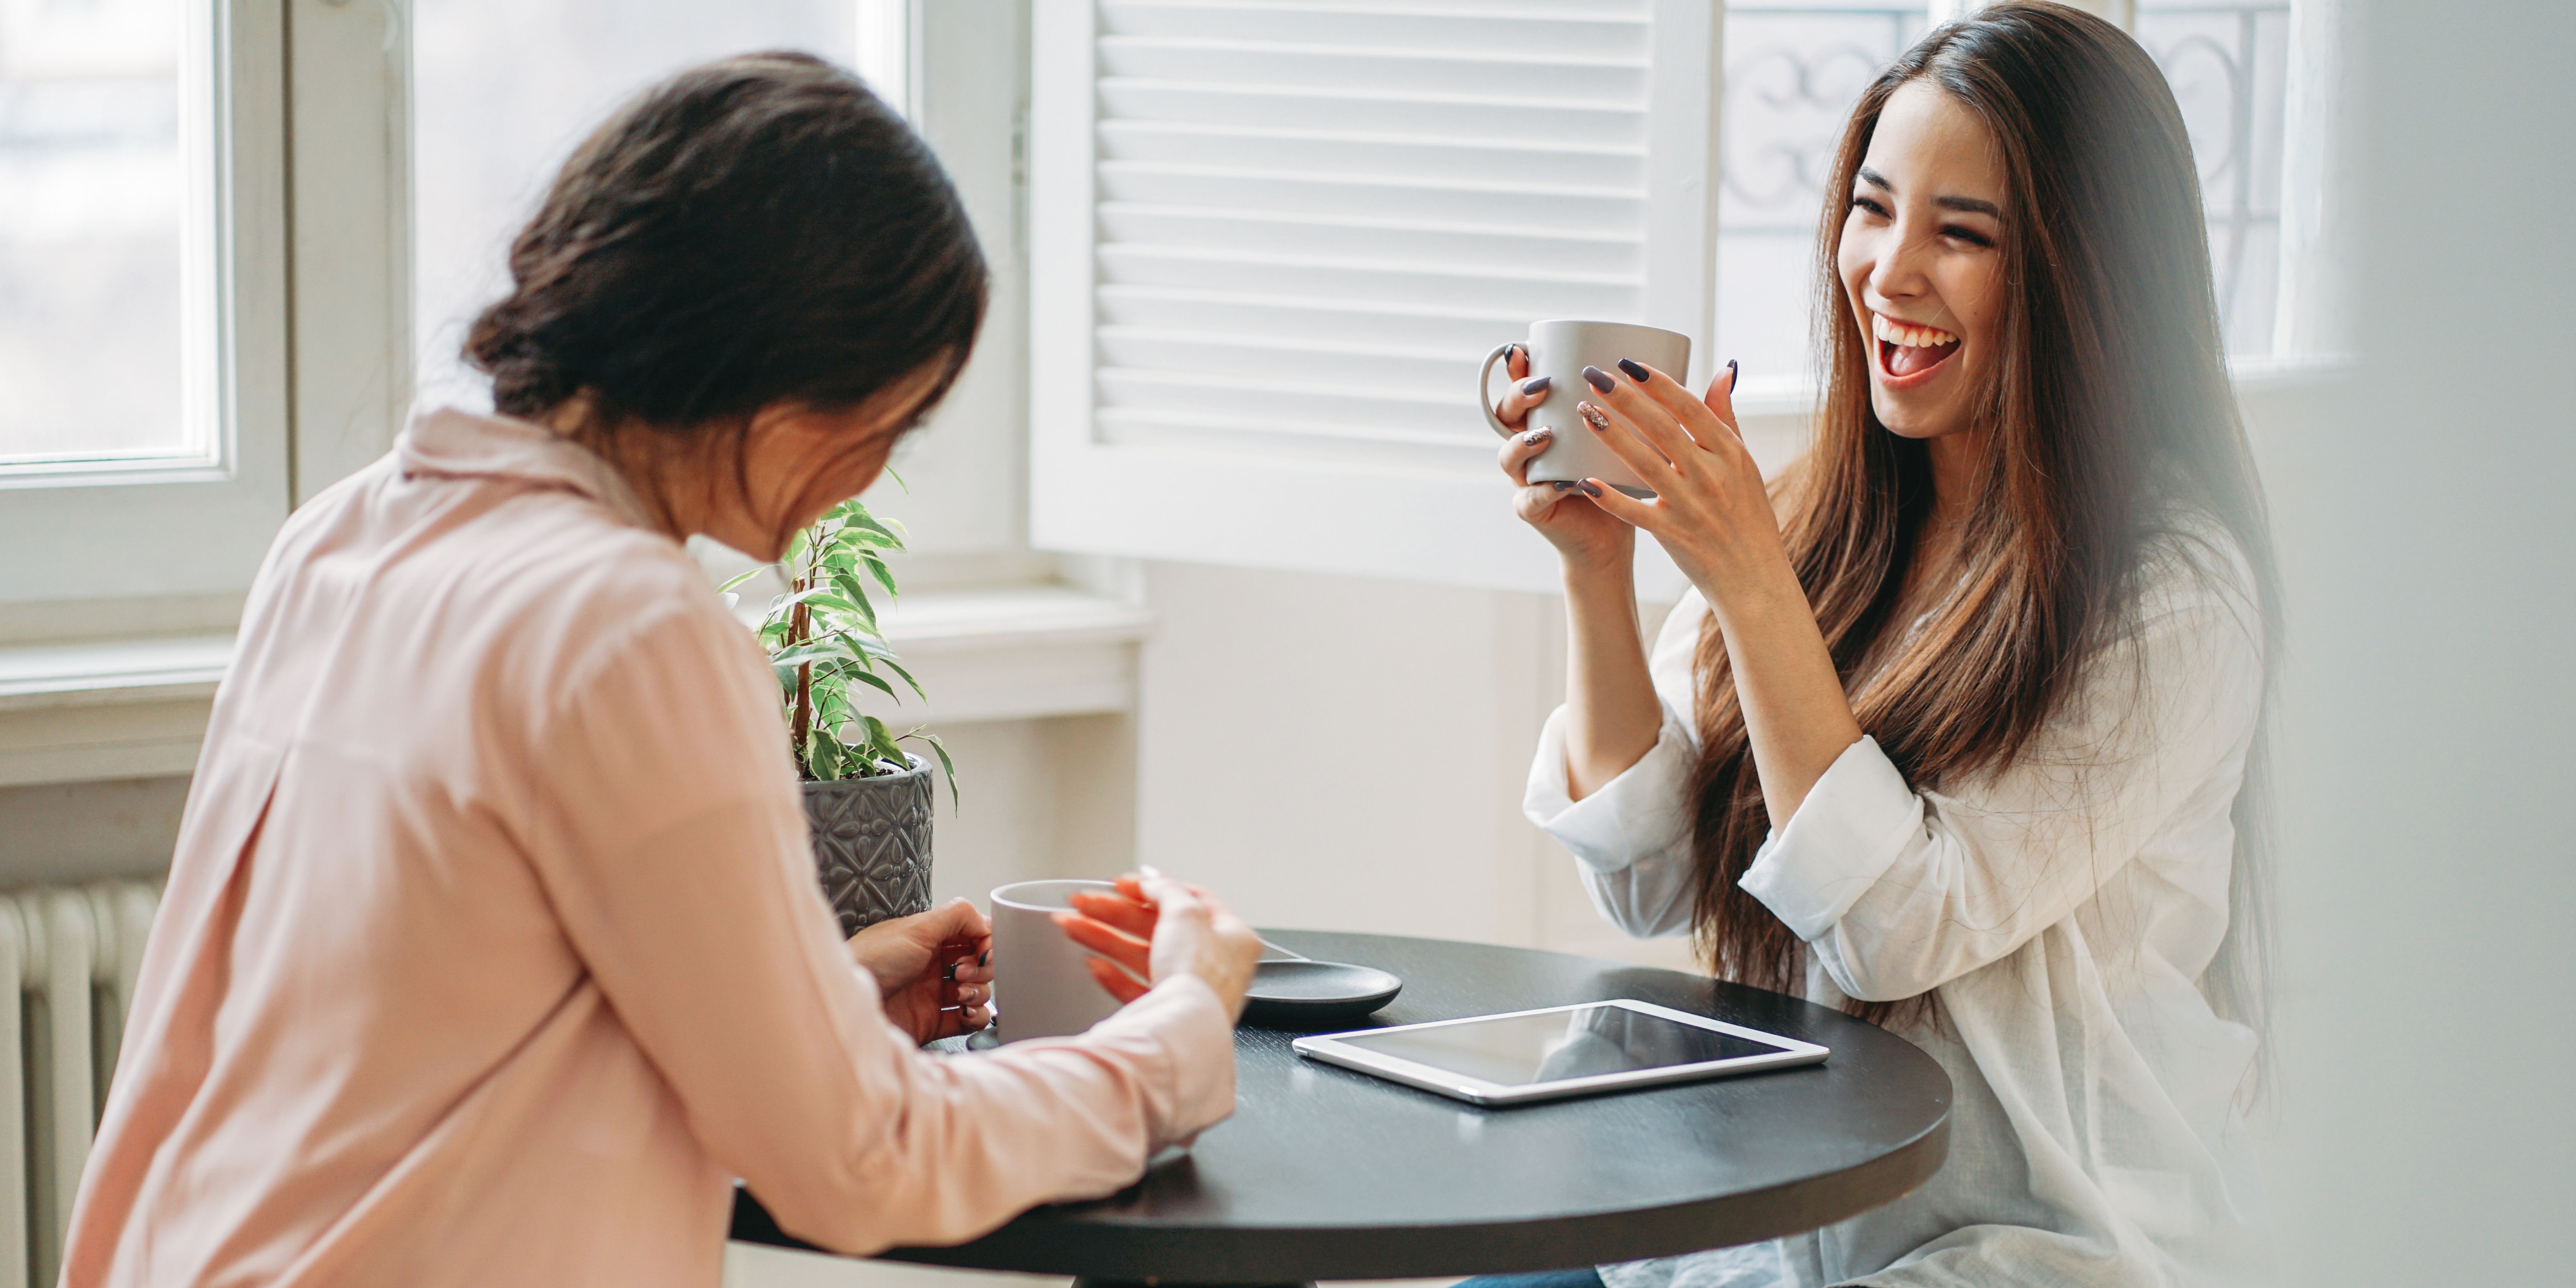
<point>850,589</point>
<point>811,651</point>
<point>947,767</point>
<point>870,678</point>
<point>739,578</point>
<point>884,575</point>
<point>868,522</point>
<point>897,668</point>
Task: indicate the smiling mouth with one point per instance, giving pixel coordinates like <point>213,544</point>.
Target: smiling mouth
<point>1906,351</point>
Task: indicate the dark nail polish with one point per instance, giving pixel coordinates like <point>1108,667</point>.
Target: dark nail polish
<point>1536,385</point>
<point>1592,416</point>
<point>1538,435</point>
<point>1598,378</point>
<point>1562,484</point>
<point>1636,370</point>
<point>1591,488</point>
<point>1734,378</point>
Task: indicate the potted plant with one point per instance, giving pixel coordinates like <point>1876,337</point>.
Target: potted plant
<point>867,800</point>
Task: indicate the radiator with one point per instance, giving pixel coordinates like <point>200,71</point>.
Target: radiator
<point>70,955</point>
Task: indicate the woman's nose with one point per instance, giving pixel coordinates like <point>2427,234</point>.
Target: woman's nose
<point>1899,271</point>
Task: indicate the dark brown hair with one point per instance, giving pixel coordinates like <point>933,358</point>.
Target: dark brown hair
<point>2110,417</point>
<point>754,231</point>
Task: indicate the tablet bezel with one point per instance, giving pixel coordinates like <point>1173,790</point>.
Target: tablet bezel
<point>1331,1049</point>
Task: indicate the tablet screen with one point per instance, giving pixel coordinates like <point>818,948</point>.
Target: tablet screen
<point>1554,1045</point>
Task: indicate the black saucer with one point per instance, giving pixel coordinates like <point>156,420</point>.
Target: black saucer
<point>1314,995</point>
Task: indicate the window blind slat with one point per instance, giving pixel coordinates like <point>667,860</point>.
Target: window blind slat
<point>1597,84</point>
<point>1528,294</point>
<point>1383,237</point>
<point>1599,36</point>
<point>1524,205</point>
<point>1307,319</point>
<point>1473,159</point>
<point>1466,116</point>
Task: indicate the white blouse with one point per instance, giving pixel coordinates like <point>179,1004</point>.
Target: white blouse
<point>2062,911</point>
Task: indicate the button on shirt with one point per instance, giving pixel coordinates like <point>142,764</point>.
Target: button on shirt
<point>2062,912</point>
<point>493,951</point>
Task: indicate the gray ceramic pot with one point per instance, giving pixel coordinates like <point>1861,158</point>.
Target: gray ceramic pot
<point>872,845</point>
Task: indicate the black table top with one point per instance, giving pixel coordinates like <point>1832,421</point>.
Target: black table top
<point>1327,1173</point>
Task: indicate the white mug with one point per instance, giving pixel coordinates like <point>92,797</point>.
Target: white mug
<point>1042,987</point>
<point>1560,350</point>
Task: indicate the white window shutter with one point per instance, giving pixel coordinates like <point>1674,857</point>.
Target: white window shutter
<point>1271,242</point>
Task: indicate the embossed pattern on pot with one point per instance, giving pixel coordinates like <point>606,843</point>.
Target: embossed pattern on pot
<point>872,845</point>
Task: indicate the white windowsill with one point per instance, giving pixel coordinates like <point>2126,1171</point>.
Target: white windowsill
<point>137,708</point>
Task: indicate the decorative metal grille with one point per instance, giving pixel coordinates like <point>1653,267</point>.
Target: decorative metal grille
<point>1794,69</point>
<point>2228,63</point>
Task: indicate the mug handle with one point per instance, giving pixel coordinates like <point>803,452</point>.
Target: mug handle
<point>1484,386</point>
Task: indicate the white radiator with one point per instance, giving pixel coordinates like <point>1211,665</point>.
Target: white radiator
<point>69,955</point>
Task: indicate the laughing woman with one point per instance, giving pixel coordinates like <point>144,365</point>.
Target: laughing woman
<point>1955,730</point>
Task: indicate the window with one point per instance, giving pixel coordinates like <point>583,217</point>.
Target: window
<point>142,301</point>
<point>102,294</point>
<point>1272,243</point>
<point>1795,67</point>
<point>2229,64</point>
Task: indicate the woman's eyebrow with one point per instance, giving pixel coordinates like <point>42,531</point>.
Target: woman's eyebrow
<point>1972,205</point>
<point>1876,180</point>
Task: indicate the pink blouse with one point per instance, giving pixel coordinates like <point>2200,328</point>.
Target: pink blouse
<point>492,950</point>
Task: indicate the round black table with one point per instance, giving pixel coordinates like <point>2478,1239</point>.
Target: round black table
<point>1326,1173</point>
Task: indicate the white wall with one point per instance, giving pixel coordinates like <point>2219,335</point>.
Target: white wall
<point>1342,753</point>
<point>2424,1125</point>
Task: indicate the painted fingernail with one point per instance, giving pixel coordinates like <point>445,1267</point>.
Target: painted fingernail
<point>1562,484</point>
<point>1734,378</point>
<point>1536,385</point>
<point>1591,488</point>
<point>1636,370</point>
<point>1538,435</point>
<point>1592,416</point>
<point>1599,379</point>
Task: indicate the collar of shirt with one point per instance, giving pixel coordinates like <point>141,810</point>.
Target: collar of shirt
<point>447,442</point>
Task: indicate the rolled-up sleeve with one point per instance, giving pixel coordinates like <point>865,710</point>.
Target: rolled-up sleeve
<point>1899,890</point>
<point>1631,839</point>
<point>672,848</point>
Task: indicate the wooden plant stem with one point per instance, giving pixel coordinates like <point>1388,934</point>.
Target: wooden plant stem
<point>798,626</point>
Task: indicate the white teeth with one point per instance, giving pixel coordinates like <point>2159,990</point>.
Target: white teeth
<point>1908,334</point>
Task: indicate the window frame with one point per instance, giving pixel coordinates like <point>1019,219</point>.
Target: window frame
<point>192,528</point>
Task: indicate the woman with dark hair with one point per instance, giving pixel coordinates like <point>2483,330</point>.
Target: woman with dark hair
<point>1959,726</point>
<point>492,950</point>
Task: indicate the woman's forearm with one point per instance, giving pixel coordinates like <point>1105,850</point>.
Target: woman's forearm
<point>1795,712</point>
<point>1612,717</point>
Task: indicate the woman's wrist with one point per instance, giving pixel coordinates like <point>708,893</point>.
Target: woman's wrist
<point>1583,567</point>
<point>1755,591</point>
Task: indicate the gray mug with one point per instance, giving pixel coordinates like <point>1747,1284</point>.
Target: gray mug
<point>1560,350</point>
<point>1042,987</point>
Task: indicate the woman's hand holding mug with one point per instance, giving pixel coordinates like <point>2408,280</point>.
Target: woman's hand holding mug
<point>1150,927</point>
<point>1711,511</point>
<point>926,996</point>
<point>1584,535</point>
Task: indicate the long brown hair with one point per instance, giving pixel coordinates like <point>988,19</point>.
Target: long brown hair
<point>2109,412</point>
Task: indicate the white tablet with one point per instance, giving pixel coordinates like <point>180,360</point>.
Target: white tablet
<point>1522,1056</point>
